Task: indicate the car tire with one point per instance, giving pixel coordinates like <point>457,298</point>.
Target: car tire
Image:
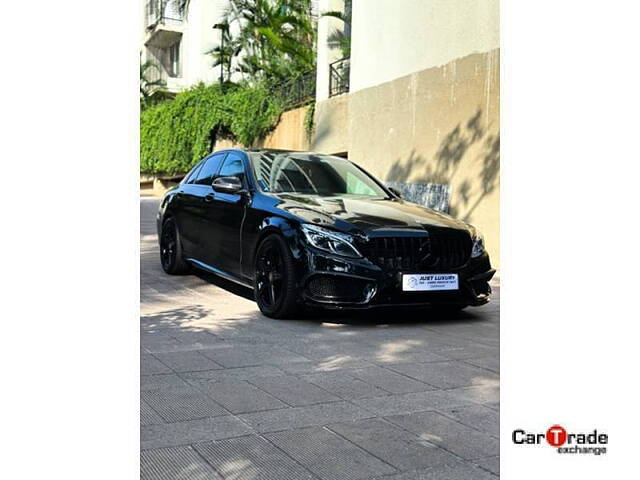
<point>275,282</point>
<point>171,257</point>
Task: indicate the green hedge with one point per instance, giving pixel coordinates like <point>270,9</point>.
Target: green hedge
<point>175,134</point>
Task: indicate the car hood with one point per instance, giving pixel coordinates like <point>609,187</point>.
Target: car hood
<point>364,214</point>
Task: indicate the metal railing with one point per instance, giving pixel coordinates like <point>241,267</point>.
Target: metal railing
<point>297,91</point>
<point>339,76</point>
<point>164,12</point>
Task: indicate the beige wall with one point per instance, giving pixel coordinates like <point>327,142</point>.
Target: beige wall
<point>440,125</point>
<point>391,38</point>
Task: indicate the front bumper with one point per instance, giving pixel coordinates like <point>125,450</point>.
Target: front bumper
<point>330,281</point>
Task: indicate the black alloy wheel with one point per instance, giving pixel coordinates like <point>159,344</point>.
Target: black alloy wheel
<point>171,249</point>
<point>274,284</point>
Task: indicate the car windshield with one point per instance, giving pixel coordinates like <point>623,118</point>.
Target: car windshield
<point>311,174</point>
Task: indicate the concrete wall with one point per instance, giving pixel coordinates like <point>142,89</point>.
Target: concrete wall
<point>391,38</point>
<point>440,125</point>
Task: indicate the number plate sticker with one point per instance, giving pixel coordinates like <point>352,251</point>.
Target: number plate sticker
<point>429,282</point>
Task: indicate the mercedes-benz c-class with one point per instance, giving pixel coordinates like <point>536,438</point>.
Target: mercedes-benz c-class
<point>310,230</point>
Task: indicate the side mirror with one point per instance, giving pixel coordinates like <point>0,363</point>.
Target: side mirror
<point>227,185</point>
<point>395,191</point>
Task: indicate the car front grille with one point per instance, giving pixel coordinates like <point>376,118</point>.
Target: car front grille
<point>441,250</point>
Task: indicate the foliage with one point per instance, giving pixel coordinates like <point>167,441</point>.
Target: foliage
<point>150,84</point>
<point>271,40</point>
<point>308,120</point>
<point>175,134</point>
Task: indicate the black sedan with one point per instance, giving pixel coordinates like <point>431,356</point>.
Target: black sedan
<point>305,229</point>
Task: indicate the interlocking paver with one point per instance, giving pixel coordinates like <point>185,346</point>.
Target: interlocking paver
<point>191,431</point>
<point>294,391</point>
<point>298,417</point>
<point>445,374</point>
<point>435,428</point>
<point>328,455</point>
<point>187,361</point>
<point>479,417</point>
<point>251,457</point>
<point>394,445</point>
<point>239,396</point>
<point>344,385</point>
<point>389,380</point>
<point>176,463</point>
<point>178,404</point>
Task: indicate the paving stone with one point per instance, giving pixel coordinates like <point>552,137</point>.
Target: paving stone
<point>150,365</point>
<point>177,463</point>
<point>445,374</point>
<point>297,417</point>
<point>293,390</point>
<point>460,471</point>
<point>389,380</point>
<point>448,434</point>
<point>240,373</point>
<point>476,416</point>
<point>393,445</point>
<point>328,455</point>
<point>148,416</point>
<point>155,382</point>
<point>239,396</point>
<point>489,363</point>
<point>175,405</point>
<point>247,356</point>
<point>487,394</point>
<point>189,361</point>
<point>251,457</point>
<point>411,402</point>
<point>462,350</point>
<point>331,364</point>
<point>344,385</point>
<point>191,431</point>
<point>491,464</point>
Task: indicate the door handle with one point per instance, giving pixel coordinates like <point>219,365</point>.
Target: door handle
<point>209,198</point>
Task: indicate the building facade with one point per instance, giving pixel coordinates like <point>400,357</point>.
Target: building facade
<point>177,36</point>
<point>417,103</point>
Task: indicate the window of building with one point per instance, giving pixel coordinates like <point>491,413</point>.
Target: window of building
<point>174,60</point>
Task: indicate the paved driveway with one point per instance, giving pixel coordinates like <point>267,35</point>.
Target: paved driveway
<point>228,393</point>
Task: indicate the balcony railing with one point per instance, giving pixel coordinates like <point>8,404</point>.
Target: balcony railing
<point>339,76</point>
<point>164,12</point>
<point>296,92</point>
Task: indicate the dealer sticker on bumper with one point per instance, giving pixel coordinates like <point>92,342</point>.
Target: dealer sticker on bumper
<point>429,282</point>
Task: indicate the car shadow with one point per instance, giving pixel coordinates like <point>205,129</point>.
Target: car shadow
<point>367,317</point>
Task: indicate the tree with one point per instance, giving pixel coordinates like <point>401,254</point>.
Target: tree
<point>273,39</point>
<point>151,84</point>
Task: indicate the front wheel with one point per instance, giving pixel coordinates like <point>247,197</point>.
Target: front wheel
<point>171,257</point>
<point>275,279</point>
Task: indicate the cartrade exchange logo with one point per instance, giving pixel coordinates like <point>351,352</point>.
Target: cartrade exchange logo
<point>557,437</point>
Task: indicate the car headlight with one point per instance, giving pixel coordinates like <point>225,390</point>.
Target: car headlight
<point>330,241</point>
<point>478,245</point>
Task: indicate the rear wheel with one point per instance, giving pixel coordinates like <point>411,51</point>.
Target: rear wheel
<point>274,284</point>
<point>171,249</point>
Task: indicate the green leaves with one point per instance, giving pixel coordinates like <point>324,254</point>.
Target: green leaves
<point>175,134</point>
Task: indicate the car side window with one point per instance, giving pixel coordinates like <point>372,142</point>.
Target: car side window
<point>191,176</point>
<point>233,166</point>
<point>209,169</point>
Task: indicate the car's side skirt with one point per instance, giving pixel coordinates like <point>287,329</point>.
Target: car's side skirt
<point>218,272</point>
